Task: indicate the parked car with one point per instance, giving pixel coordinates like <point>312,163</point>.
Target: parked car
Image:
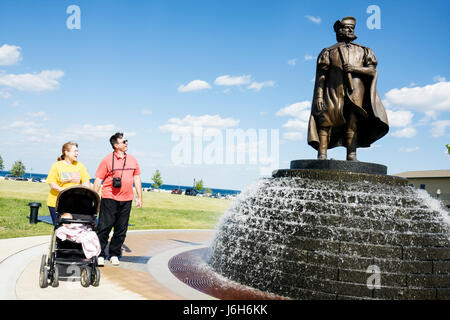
<point>21,179</point>
<point>10,177</point>
<point>191,192</point>
<point>177,191</point>
<point>36,179</point>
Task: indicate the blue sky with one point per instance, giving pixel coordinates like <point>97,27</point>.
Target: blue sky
<point>157,68</point>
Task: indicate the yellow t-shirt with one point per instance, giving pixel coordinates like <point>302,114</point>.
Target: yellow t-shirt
<point>65,175</point>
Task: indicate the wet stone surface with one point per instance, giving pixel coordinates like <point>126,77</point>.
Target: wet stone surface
<point>318,234</point>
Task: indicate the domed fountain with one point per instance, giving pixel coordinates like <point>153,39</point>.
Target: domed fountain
<point>339,233</point>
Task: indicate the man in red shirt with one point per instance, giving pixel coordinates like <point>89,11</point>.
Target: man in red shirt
<point>118,171</point>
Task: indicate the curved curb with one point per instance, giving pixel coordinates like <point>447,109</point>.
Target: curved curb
<point>12,267</point>
<point>158,267</point>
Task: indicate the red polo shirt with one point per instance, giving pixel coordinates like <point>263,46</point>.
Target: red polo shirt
<point>131,169</point>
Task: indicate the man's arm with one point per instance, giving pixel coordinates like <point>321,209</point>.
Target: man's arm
<point>97,184</point>
<point>138,187</point>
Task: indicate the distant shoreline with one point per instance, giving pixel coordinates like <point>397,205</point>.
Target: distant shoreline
<point>167,187</point>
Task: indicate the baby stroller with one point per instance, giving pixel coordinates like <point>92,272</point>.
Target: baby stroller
<point>83,204</point>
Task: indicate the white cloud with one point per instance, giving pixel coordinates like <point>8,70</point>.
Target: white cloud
<point>292,62</point>
<point>439,78</point>
<point>295,125</point>
<point>298,125</point>
<point>400,118</point>
<point>90,132</point>
<point>22,124</point>
<point>194,85</point>
<point>407,132</point>
<point>227,80</point>
<point>40,115</point>
<point>33,131</point>
<point>9,55</point>
<point>434,97</point>
<point>146,111</point>
<point>295,110</point>
<point>259,85</point>
<point>439,127</point>
<point>43,81</point>
<point>316,20</point>
<point>309,57</point>
<point>188,124</point>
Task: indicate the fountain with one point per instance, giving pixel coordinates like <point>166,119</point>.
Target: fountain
<point>330,234</point>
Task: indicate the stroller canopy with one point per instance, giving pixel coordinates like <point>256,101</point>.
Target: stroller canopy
<point>78,200</point>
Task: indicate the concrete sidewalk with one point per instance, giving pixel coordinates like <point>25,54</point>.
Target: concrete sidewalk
<point>143,272</point>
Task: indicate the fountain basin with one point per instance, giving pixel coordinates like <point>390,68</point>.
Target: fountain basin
<point>335,234</point>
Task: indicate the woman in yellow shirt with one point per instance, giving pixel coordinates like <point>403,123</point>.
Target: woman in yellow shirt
<point>64,173</point>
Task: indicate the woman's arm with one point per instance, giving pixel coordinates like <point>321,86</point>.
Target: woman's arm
<point>55,187</point>
<point>87,184</point>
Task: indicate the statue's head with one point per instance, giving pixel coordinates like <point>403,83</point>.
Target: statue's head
<point>345,29</point>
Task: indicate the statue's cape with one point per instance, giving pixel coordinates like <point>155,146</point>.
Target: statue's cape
<point>371,126</point>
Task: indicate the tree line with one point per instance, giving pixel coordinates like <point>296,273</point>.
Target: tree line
<point>158,182</point>
<point>17,169</point>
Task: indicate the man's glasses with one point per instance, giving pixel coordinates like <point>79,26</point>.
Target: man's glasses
<point>124,141</point>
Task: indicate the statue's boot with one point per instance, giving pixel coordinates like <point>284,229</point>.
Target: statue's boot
<point>323,144</point>
<point>351,146</point>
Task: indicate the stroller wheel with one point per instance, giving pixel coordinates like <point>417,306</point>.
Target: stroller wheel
<point>55,277</point>
<point>86,276</point>
<point>96,277</point>
<point>43,273</point>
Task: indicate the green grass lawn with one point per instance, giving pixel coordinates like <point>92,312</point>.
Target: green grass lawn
<point>161,210</point>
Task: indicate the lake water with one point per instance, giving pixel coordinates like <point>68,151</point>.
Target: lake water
<point>168,187</point>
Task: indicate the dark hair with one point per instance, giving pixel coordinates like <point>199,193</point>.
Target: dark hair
<point>113,139</point>
<point>66,147</point>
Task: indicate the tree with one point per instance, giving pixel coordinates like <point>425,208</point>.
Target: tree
<point>448,148</point>
<point>208,191</point>
<point>1,164</point>
<point>157,180</point>
<point>199,185</point>
<point>18,169</point>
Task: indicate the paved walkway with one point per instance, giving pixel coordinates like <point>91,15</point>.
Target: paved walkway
<point>143,273</point>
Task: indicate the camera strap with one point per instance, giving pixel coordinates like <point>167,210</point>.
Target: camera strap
<point>112,166</point>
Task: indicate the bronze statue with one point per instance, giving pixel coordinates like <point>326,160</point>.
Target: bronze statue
<point>346,109</point>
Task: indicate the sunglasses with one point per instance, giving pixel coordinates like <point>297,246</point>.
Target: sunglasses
<point>125,141</point>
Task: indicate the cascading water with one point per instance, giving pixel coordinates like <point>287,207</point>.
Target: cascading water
<point>329,234</point>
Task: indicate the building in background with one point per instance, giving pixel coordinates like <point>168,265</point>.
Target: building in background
<point>435,182</point>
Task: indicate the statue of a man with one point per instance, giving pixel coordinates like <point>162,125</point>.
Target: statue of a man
<point>346,109</point>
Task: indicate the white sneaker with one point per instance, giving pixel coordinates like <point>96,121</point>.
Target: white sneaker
<point>114,261</point>
<point>101,261</point>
